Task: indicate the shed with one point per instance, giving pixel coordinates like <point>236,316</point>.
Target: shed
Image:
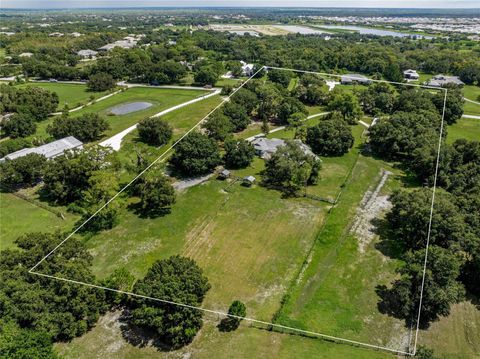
<point>224,174</point>
<point>248,180</point>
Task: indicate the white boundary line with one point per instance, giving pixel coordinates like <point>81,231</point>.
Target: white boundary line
<point>273,325</point>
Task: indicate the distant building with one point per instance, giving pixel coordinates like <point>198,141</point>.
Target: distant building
<point>442,80</point>
<point>56,34</point>
<point>171,42</point>
<point>247,69</point>
<point>7,33</point>
<point>76,34</point>
<point>87,54</point>
<point>224,174</point>
<point>350,79</point>
<point>49,150</point>
<point>411,74</point>
<point>266,147</point>
<point>128,42</point>
<point>25,54</point>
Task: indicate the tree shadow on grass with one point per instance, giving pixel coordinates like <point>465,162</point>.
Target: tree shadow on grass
<point>140,337</point>
<point>387,244</point>
<point>148,213</point>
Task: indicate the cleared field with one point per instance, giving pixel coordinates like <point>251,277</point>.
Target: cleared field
<point>468,128</point>
<point>159,97</point>
<point>471,92</point>
<point>71,95</point>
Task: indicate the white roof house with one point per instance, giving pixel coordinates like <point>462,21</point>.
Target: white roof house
<point>247,69</point>
<point>76,34</point>
<point>56,34</point>
<point>266,147</point>
<point>25,54</point>
<point>411,74</point>
<point>124,44</point>
<point>49,150</point>
<point>87,53</point>
<point>351,78</point>
<point>442,80</point>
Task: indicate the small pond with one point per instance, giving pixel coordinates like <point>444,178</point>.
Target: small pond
<point>125,108</point>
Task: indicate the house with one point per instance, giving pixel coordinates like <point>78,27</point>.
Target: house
<point>171,42</point>
<point>411,74</point>
<point>247,69</point>
<point>248,181</point>
<point>224,174</point>
<point>25,54</point>
<point>350,79</point>
<point>266,147</point>
<point>76,34</point>
<point>49,150</point>
<point>442,80</point>
<point>87,54</point>
<point>56,34</point>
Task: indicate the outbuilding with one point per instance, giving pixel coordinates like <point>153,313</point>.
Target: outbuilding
<point>249,181</point>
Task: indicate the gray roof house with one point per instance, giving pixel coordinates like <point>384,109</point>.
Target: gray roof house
<point>266,147</point>
<point>349,79</point>
<point>49,150</point>
<point>442,80</point>
<point>248,180</point>
<point>87,53</point>
<point>411,74</point>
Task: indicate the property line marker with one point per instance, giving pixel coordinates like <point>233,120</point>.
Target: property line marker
<point>320,335</point>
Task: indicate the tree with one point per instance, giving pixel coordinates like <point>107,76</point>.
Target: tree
<point>330,137</point>
<point>404,132</point>
<point>281,77</point>
<point>155,131</point>
<point>291,169</point>
<point>470,73</point>
<point>288,108</point>
<point>121,279</point>
<point>238,153</point>
<point>156,193</point>
<point>19,125</point>
<point>36,102</point>
<point>206,76</point>
<point>453,104</point>
<point>195,155</point>
<point>440,291</point>
<point>236,309</point>
<point>22,171</point>
<point>11,145</point>
<point>424,353</point>
<point>245,98</point>
<point>18,343</point>
<point>270,101</point>
<point>378,98</point>
<point>410,214</point>
<point>67,177</point>
<point>86,128</point>
<point>179,280</point>
<point>392,72</point>
<point>100,81</point>
<point>347,104</point>
<point>102,186</point>
<point>237,114</point>
<point>60,309</point>
<point>218,126</point>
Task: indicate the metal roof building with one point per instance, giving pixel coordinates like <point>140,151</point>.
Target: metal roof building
<point>49,150</point>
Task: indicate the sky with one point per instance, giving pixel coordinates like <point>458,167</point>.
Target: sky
<point>244,3</point>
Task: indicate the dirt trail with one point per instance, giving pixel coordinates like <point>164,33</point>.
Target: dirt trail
<point>371,207</point>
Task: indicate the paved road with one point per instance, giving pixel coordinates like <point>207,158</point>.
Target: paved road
<point>251,138</point>
<point>116,141</point>
<point>472,116</point>
<point>468,100</point>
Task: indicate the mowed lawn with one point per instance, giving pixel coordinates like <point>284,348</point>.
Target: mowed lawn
<point>72,95</point>
<point>18,216</point>
<point>160,98</point>
<point>468,128</point>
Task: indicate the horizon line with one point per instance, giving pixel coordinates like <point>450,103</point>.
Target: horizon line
<point>237,7</point>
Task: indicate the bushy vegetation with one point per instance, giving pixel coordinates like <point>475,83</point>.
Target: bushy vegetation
<point>86,128</point>
<point>154,131</point>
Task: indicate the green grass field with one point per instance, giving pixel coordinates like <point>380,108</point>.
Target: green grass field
<point>471,92</point>
<point>19,216</point>
<point>468,128</point>
<point>72,95</point>
<point>160,98</point>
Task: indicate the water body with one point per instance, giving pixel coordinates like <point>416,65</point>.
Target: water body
<point>379,32</point>
<point>304,30</point>
<point>129,108</point>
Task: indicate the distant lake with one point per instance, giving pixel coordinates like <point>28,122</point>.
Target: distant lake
<point>379,32</point>
<point>304,30</point>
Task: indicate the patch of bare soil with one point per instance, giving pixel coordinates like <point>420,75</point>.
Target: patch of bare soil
<point>371,207</point>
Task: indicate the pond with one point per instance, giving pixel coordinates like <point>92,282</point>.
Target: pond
<point>303,30</point>
<point>379,32</point>
<point>130,107</point>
